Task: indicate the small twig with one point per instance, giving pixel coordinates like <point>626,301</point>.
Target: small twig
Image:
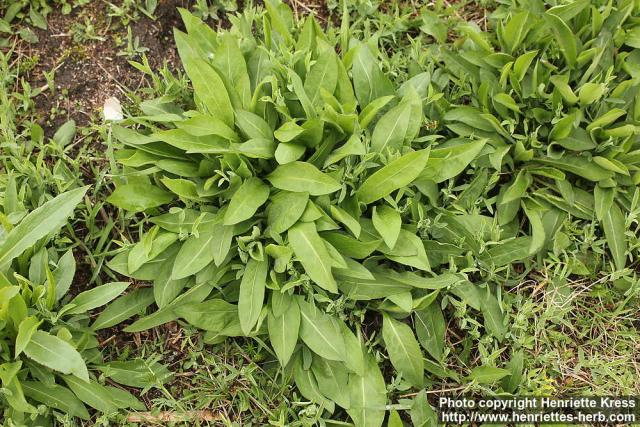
<point>166,416</point>
<point>454,10</point>
<point>295,9</point>
<point>119,85</point>
<point>184,374</point>
<point>108,340</point>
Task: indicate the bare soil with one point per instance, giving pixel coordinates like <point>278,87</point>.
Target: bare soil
<point>89,71</point>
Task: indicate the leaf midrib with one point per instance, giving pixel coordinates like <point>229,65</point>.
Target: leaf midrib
<point>400,116</point>
<point>315,328</point>
<point>406,352</point>
<point>327,273</point>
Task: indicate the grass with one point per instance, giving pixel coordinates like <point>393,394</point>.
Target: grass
<point>584,339</point>
<point>579,334</point>
<point>219,384</point>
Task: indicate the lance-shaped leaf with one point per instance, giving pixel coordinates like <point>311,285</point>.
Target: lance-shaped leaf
<point>565,38</point>
<point>96,297</point>
<point>283,332</point>
<point>431,329</point>
<point>246,200</point>
<point>332,378</point>
<point>387,222</point>
<point>91,393</point>
<point>56,354</point>
<point>368,396</point>
<point>194,255</point>
<point>312,253</point>
<point>39,223</point>
<point>303,177</point>
<point>614,229</point>
<point>209,89</point>
<point>448,162</point>
<point>55,396</point>
<point>322,76</point>
<point>254,281</point>
<point>285,210</point>
<point>320,332</point>
<point>398,126</point>
<point>124,308</point>
<point>403,350</point>
<point>369,81</point>
<point>395,175</point>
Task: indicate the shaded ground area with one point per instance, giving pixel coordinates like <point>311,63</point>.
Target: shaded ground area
<point>87,54</point>
<point>90,60</point>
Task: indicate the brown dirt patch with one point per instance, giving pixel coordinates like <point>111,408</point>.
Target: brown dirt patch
<point>89,71</point>
<point>302,8</point>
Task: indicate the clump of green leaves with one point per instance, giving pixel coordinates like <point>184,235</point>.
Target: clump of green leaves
<point>46,343</point>
<point>297,206</point>
<point>307,197</point>
<point>561,108</point>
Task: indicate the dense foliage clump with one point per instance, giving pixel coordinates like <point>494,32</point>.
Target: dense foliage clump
<point>311,195</point>
<point>48,348</point>
<point>338,194</point>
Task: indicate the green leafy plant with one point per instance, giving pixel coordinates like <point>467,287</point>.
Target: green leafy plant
<point>295,207</point>
<point>308,197</point>
<point>561,111</point>
<point>45,337</point>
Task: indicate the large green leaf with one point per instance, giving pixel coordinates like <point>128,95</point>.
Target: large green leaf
<point>39,223</point>
<point>54,353</point>
<point>448,162</point>
<point>422,414</point>
<point>614,229</point>
<point>431,328</point>
<point>311,251</point>
<point>124,308</point>
<point>322,76</point>
<point>368,396</point>
<point>96,297</point>
<point>246,200</point>
<point>136,373</point>
<point>285,210</point>
<point>320,332</point>
<point>395,175</point>
<point>28,326</point>
<point>487,374</point>
<point>91,393</point>
<point>252,286</point>
<point>209,89</point>
<point>564,36</point>
<point>229,61</point>
<point>55,396</point>
<point>369,81</point>
<point>403,350</point>
<point>303,177</point>
<point>165,288</point>
<point>138,197</point>
<point>253,126</point>
<point>398,126</point>
<point>387,222</point>
<point>493,316</point>
<point>332,378</point>
<point>194,255</point>
<point>210,315</point>
<point>283,331</point>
